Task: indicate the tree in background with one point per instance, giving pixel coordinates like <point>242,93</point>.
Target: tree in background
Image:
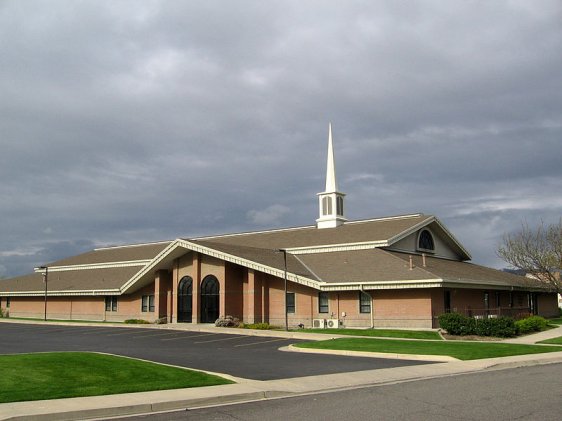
<point>536,251</point>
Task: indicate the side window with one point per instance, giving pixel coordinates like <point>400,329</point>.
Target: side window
<point>364,302</point>
<point>111,303</point>
<point>323,302</point>
<point>327,206</point>
<point>291,302</point>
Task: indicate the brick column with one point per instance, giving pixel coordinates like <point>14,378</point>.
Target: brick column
<point>196,297</point>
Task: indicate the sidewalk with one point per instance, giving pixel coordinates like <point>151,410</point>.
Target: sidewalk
<point>536,337</point>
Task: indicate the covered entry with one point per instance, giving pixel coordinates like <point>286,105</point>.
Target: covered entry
<point>185,302</point>
<point>209,299</point>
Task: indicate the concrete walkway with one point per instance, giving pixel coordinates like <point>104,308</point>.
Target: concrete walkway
<point>536,337</point>
<point>98,407</point>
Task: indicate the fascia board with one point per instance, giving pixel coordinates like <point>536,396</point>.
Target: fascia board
<point>60,293</point>
<point>359,286</point>
<point>411,230</point>
<point>479,284</point>
<point>452,237</point>
<point>338,247</point>
<point>185,244</point>
<point>128,263</point>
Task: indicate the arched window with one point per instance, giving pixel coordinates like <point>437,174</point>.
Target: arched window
<point>425,241</point>
<point>210,301</point>
<point>185,302</point>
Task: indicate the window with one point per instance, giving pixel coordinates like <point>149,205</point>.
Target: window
<point>425,241</point>
<point>327,205</point>
<point>447,303</point>
<point>323,306</point>
<point>291,302</point>
<point>111,303</point>
<point>7,302</point>
<point>147,303</point>
<point>339,205</point>
<point>364,302</point>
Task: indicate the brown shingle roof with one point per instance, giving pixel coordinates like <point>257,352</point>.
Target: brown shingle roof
<point>114,254</point>
<point>91,279</point>
<point>351,232</point>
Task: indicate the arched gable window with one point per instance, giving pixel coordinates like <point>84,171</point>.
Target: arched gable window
<point>425,241</point>
<point>185,303</point>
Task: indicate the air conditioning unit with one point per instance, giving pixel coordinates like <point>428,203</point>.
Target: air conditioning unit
<point>333,324</point>
<point>319,323</point>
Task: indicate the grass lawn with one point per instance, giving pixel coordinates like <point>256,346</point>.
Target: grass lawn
<point>29,377</point>
<point>554,341</point>
<point>460,350</point>
<point>557,321</point>
<point>383,333</point>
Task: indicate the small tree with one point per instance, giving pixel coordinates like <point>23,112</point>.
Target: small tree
<point>536,251</point>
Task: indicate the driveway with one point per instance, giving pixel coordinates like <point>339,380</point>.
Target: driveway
<point>250,357</point>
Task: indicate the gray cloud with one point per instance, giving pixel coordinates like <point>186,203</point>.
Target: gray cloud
<point>130,122</point>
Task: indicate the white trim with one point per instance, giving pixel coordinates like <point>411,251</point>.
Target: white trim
<point>363,286</point>
<point>132,245</point>
<point>97,292</point>
<point>89,266</point>
<point>366,245</point>
<point>280,273</point>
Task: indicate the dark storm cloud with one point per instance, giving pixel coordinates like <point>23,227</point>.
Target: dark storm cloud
<point>137,121</point>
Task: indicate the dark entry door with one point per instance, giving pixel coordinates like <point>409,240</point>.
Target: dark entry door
<point>209,299</point>
<point>185,289</point>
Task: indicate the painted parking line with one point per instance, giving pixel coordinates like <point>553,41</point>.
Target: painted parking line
<point>189,336</point>
<point>224,339</point>
<point>128,332</point>
<point>263,342</point>
<point>155,334</point>
<point>99,331</point>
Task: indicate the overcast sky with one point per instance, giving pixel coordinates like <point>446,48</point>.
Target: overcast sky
<point>136,121</point>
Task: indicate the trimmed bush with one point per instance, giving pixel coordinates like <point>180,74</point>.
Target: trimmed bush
<point>531,324</point>
<point>502,327</point>
<point>258,326</point>
<point>136,322</point>
<point>457,324</point>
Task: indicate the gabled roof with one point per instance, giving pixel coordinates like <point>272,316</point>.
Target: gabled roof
<point>352,256</point>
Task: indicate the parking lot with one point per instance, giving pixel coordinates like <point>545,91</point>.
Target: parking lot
<point>247,356</point>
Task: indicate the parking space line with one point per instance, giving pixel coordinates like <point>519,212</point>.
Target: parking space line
<point>128,332</point>
<point>224,339</point>
<point>189,337</point>
<point>99,330</point>
<point>262,342</point>
<point>158,334</point>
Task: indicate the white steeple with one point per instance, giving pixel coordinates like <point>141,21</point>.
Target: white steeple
<point>330,201</point>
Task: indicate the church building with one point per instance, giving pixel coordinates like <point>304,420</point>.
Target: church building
<point>397,271</point>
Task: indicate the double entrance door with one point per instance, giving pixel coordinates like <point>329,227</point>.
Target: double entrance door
<point>209,300</point>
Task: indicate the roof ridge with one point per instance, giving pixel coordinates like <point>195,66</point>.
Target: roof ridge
<point>132,245</point>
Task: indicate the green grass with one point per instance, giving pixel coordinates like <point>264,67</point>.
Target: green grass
<point>460,350</point>
<point>557,321</point>
<point>382,333</point>
<point>553,341</point>
<point>29,377</point>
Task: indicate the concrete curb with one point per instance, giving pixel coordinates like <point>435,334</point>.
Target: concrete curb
<point>366,354</point>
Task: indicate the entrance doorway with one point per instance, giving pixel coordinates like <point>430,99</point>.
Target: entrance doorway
<point>209,299</point>
<point>185,302</point>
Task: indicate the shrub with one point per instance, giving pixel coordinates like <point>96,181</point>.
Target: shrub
<point>137,322</point>
<point>502,327</point>
<point>259,326</point>
<point>457,324</point>
<point>531,324</point>
<point>227,321</point>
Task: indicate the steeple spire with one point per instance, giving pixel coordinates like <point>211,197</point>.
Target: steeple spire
<point>331,185</point>
<point>330,201</point>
